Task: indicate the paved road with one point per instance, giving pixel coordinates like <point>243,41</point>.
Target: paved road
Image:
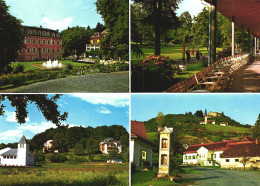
<point>106,82</point>
<point>247,79</point>
<point>220,177</point>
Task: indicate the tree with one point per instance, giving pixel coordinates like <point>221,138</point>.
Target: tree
<point>244,161</point>
<point>115,15</point>
<point>59,142</point>
<point>11,34</point>
<point>258,120</point>
<point>39,158</point>
<point>74,40</point>
<point>47,105</point>
<point>256,131</point>
<point>92,146</point>
<point>199,114</point>
<point>100,27</point>
<point>161,16</point>
<point>159,119</point>
<point>78,149</point>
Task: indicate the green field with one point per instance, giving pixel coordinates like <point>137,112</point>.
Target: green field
<point>173,52</point>
<point>28,65</point>
<point>226,129</point>
<point>67,174</point>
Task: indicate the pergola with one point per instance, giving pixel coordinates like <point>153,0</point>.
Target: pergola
<point>243,13</point>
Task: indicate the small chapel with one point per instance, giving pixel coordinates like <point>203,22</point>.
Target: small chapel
<point>17,157</point>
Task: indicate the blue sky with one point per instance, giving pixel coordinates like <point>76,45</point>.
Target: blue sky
<point>244,108</point>
<point>192,6</point>
<point>84,109</point>
<point>55,14</point>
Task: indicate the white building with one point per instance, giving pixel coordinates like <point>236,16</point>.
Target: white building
<point>17,157</point>
<point>109,145</point>
<point>47,146</point>
<point>114,160</point>
<point>140,147</point>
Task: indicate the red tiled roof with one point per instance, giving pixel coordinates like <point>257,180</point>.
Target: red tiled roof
<point>246,149</point>
<point>246,138</point>
<point>210,146</point>
<point>138,129</point>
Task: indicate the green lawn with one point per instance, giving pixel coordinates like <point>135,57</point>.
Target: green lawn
<point>226,129</point>
<point>66,174</point>
<point>173,52</point>
<point>28,65</point>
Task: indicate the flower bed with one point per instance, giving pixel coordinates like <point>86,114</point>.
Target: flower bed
<point>153,75</point>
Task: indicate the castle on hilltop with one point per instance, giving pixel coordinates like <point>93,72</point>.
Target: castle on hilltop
<point>210,115</point>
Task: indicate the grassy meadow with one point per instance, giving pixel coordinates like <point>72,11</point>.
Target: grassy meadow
<point>173,52</point>
<point>67,174</point>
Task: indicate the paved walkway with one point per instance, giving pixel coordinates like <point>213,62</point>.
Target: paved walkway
<point>219,177</point>
<point>247,79</point>
<point>106,82</point>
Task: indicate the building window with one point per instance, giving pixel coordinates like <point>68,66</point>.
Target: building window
<point>33,58</point>
<point>34,41</point>
<point>58,35</point>
<point>34,32</point>
<point>14,157</point>
<point>58,50</point>
<point>39,33</point>
<point>236,160</point>
<point>43,50</point>
<point>53,35</point>
<point>49,42</point>
<point>39,41</point>
<point>48,33</point>
<point>48,50</point>
<point>4,157</point>
<point>28,41</point>
<point>215,155</point>
<point>28,50</point>
<point>33,50</point>
<point>43,41</point>
<point>53,50</point>
<point>44,33</point>
<point>193,157</point>
<point>227,160</point>
<point>53,42</point>
<point>58,42</point>
<point>28,58</point>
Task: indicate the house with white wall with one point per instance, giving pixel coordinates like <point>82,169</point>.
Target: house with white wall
<point>47,146</point>
<point>110,145</point>
<point>17,157</point>
<point>141,149</point>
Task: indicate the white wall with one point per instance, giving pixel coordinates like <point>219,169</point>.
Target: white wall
<point>188,158</point>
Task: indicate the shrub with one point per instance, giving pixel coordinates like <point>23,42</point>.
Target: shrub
<point>153,75</point>
<point>58,158</point>
<point>39,158</point>
<point>19,68</point>
<point>69,66</point>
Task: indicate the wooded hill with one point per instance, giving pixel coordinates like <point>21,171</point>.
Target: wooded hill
<point>65,138</point>
<point>188,127</point>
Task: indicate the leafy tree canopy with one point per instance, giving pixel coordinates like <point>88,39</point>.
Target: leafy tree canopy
<point>11,34</point>
<point>47,105</point>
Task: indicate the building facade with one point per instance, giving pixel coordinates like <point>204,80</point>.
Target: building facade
<point>48,146</point>
<point>141,149</point>
<point>40,44</point>
<point>110,145</point>
<point>95,40</point>
<point>17,157</point>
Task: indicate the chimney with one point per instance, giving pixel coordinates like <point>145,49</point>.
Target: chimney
<point>256,141</point>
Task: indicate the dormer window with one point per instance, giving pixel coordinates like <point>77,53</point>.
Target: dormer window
<point>21,145</point>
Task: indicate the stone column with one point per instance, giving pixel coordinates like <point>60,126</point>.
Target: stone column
<point>233,35</point>
<point>164,151</point>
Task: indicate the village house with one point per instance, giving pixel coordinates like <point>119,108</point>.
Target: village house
<point>140,146</point>
<point>48,146</point>
<point>110,145</point>
<point>227,154</point>
<point>95,40</point>
<point>114,160</point>
<point>17,157</point>
<point>224,124</point>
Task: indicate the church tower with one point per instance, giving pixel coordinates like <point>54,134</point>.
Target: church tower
<point>206,117</point>
<point>23,151</point>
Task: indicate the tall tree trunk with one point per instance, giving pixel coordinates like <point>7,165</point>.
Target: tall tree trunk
<point>157,8</point>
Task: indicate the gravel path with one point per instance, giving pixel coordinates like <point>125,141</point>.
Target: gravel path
<point>220,177</point>
<point>247,79</point>
<point>106,82</point>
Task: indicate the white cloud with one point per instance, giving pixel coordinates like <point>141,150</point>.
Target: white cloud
<point>116,100</point>
<point>36,128</point>
<point>11,135</point>
<point>103,110</point>
<point>61,24</point>
<point>11,117</point>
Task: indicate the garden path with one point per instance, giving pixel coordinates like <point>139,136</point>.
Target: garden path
<point>105,82</point>
<point>247,79</point>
